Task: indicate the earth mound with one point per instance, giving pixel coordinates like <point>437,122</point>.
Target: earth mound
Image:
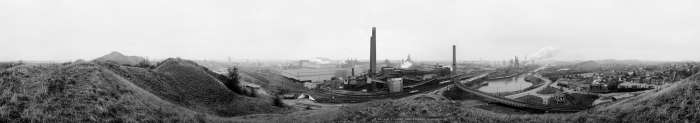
<point>84,92</point>
<point>176,91</point>
<point>188,84</point>
<point>121,59</point>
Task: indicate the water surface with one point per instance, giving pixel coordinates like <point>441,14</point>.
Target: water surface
<point>506,85</point>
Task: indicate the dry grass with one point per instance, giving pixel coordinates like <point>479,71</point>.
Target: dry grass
<point>79,92</point>
<point>190,85</point>
<point>442,111</point>
<point>88,92</point>
<point>677,103</point>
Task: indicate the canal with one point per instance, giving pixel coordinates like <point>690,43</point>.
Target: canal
<point>506,85</point>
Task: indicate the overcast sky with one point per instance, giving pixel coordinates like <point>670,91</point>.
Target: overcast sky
<point>301,29</point>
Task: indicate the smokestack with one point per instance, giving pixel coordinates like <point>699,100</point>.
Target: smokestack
<point>454,58</point>
<point>373,53</point>
<point>352,71</point>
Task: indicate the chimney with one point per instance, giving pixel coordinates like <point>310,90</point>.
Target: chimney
<point>352,71</point>
<point>373,53</point>
<point>454,58</point>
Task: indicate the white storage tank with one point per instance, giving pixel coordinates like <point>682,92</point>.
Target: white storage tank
<point>395,85</point>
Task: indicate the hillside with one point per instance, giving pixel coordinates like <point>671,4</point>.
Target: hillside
<point>176,91</point>
<point>185,83</point>
<point>676,102</point>
<point>120,58</point>
<point>275,83</point>
<point>587,66</point>
<point>82,92</point>
<point>270,81</point>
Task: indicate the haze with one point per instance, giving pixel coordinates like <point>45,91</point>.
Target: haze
<point>279,29</point>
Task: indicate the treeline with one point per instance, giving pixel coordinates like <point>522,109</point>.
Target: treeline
<point>5,65</point>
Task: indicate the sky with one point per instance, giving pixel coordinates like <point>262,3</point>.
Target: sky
<point>301,29</point>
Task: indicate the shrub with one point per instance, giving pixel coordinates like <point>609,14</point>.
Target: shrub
<point>144,64</point>
<point>277,101</point>
<point>232,80</point>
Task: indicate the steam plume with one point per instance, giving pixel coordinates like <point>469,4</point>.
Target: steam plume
<point>544,53</point>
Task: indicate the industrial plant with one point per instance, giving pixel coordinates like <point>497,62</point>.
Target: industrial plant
<point>277,61</point>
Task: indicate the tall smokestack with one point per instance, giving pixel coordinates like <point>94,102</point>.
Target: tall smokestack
<point>352,71</point>
<point>454,58</point>
<point>373,53</point>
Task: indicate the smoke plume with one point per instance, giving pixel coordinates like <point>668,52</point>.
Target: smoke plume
<point>544,53</point>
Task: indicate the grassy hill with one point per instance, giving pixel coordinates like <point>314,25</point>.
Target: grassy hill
<point>195,87</point>
<point>175,91</point>
<point>82,92</point>
<point>677,102</point>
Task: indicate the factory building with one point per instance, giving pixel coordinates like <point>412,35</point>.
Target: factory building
<point>392,77</point>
